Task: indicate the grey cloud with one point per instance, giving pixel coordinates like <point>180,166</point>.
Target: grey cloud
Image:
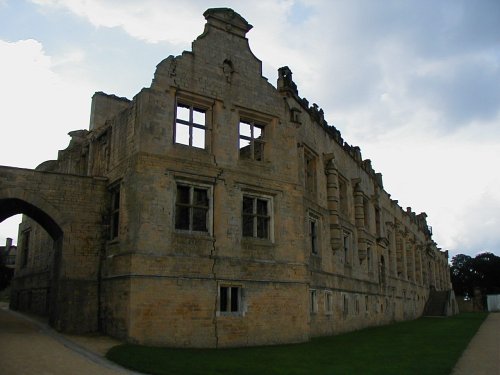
<point>470,92</point>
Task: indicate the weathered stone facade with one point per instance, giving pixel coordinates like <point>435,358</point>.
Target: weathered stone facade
<point>232,214</point>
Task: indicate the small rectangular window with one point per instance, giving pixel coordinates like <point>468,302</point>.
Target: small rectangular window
<point>190,125</point>
<point>369,259</point>
<point>230,299</point>
<point>343,203</point>
<point>114,227</point>
<point>328,302</point>
<point>191,208</point>
<point>313,235</point>
<point>347,247</point>
<point>313,308</point>
<point>251,144</point>
<point>346,305</point>
<point>256,217</point>
<point>310,171</point>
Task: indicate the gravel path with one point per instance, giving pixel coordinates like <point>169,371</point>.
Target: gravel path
<point>29,347</point>
<point>482,356</point>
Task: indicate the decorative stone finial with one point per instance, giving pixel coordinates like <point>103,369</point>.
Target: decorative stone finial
<point>228,20</point>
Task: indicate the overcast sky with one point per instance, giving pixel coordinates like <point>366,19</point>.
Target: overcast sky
<point>415,84</point>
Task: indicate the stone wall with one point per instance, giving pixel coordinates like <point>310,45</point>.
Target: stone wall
<point>220,211</point>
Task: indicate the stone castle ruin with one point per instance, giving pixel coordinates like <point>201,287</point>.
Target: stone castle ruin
<point>215,210</point>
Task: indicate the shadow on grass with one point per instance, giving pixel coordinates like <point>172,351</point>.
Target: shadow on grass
<point>423,346</point>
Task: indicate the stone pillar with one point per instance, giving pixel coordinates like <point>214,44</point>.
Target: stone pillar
<point>410,259</point>
<point>359,219</point>
<point>332,196</point>
<point>401,253</point>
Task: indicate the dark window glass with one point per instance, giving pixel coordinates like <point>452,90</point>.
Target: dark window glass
<point>255,218</point>
<point>223,298</point>
<point>234,299</point>
<point>192,206</point>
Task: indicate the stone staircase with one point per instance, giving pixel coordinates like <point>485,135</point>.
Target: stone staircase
<point>437,303</point>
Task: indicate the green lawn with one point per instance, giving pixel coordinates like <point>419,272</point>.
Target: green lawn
<point>424,346</point>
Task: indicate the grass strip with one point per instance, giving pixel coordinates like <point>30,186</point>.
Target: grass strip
<point>423,346</point>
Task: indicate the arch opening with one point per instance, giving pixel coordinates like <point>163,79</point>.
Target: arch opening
<point>34,285</point>
<point>13,206</point>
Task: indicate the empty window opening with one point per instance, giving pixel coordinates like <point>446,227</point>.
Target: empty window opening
<point>313,235</point>
<point>343,197</point>
<point>346,305</point>
<point>310,172</point>
<point>366,212</point>
<point>191,208</point>
<point>369,259</point>
<point>190,125</point>
<point>114,228</point>
<point>328,302</point>
<point>313,308</point>
<point>251,143</point>
<point>347,247</point>
<point>256,217</point>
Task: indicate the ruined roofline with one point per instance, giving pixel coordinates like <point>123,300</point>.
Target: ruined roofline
<point>286,85</point>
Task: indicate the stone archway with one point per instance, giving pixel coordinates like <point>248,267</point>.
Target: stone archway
<point>35,294</point>
<point>72,209</point>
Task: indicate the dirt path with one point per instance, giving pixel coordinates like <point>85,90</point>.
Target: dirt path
<point>482,356</point>
<point>28,347</point>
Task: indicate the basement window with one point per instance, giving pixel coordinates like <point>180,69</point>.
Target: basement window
<point>230,300</point>
<point>190,125</point>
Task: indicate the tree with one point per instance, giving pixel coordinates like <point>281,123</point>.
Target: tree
<point>482,271</point>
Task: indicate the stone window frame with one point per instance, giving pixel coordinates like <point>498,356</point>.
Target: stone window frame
<point>228,289</point>
<point>345,305</point>
<point>314,241</point>
<point>344,204</point>
<point>193,102</point>
<point>114,215</point>
<point>256,143</point>
<point>209,216</point>
<point>265,122</point>
<point>270,215</point>
<point>313,301</point>
<point>369,257</point>
<point>367,215</point>
<point>310,170</point>
<point>348,251</point>
<point>328,295</point>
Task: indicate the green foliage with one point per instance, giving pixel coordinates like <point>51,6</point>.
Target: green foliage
<point>482,271</point>
<point>424,346</point>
